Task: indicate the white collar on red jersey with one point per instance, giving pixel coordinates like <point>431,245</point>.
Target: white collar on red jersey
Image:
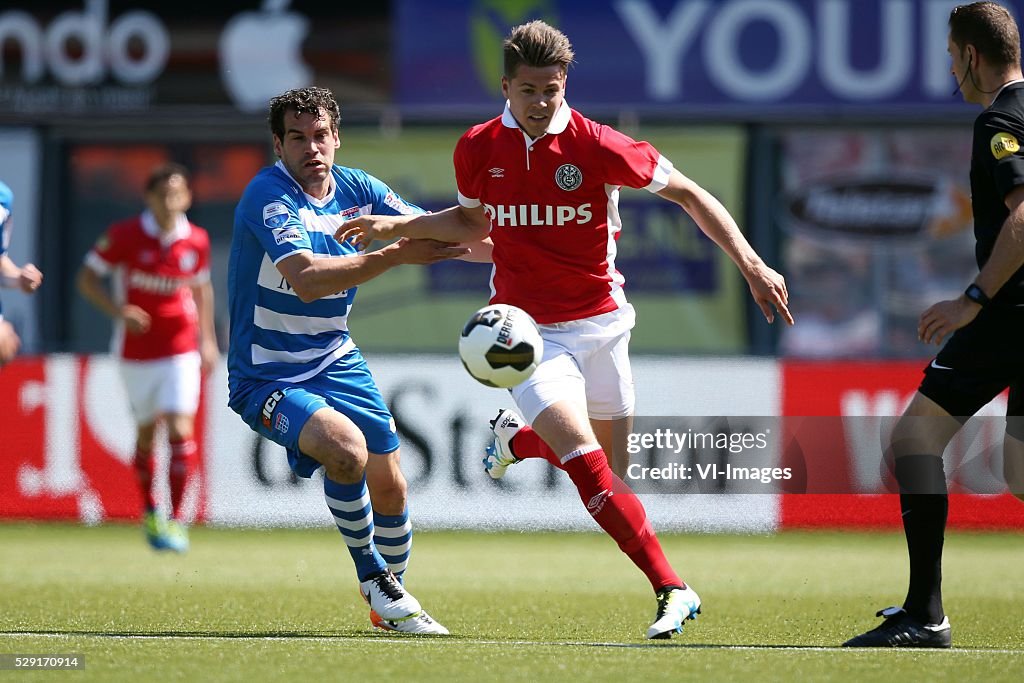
<point>181,229</point>
<point>559,122</point>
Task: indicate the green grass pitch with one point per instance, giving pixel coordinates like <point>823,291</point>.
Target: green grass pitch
<point>282,605</point>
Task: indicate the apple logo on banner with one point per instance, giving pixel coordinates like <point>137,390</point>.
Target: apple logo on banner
<point>261,54</point>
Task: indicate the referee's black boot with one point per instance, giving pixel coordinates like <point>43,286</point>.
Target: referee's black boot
<point>902,630</point>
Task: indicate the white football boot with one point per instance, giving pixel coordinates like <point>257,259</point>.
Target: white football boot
<point>499,453</point>
<point>421,623</point>
<point>675,606</point>
<point>388,598</point>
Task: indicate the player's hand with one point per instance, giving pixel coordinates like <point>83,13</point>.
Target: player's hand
<point>9,342</point>
<point>136,320</point>
<point>944,318</point>
<point>30,279</point>
<point>209,355</point>
<point>769,289</point>
<point>422,251</point>
<point>363,230</point>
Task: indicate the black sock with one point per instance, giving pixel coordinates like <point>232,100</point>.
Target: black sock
<point>925,504</point>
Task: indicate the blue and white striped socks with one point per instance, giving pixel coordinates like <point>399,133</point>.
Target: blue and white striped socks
<point>350,505</point>
<point>393,537</point>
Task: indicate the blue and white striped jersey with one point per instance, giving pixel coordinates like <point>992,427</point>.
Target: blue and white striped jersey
<point>6,202</point>
<point>274,335</point>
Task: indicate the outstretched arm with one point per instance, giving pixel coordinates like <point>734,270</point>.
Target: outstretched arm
<point>312,277</point>
<point>766,286</point>
<point>27,279</point>
<point>455,224</point>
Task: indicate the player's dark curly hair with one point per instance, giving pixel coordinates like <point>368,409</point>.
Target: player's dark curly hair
<point>990,28</point>
<point>536,44</point>
<point>315,101</point>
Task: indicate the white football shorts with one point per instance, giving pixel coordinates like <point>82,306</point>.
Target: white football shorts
<point>164,386</point>
<point>586,362</point>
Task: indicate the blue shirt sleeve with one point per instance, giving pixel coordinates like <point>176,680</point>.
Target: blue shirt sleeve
<point>273,219</point>
<point>385,201</point>
<point>6,206</point>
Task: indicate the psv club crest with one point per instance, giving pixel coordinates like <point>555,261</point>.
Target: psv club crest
<point>568,177</point>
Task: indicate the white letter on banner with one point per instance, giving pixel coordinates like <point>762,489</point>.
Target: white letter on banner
<point>936,78</point>
<point>777,81</point>
<point>662,43</point>
<point>894,63</point>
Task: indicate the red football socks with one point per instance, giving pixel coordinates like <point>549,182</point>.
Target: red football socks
<point>143,466</point>
<point>528,444</point>
<point>183,465</point>
<point>618,511</point>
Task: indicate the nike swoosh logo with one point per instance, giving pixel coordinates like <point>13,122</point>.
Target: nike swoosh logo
<point>906,513</point>
<point>940,367</point>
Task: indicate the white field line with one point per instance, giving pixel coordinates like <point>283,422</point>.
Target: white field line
<point>404,641</point>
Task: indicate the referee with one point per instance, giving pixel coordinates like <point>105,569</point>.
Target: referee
<point>985,353</point>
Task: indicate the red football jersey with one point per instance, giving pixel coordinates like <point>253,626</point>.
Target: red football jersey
<point>553,205</point>
<point>155,272</point>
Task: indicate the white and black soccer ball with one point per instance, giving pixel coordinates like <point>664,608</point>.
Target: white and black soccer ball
<point>501,346</point>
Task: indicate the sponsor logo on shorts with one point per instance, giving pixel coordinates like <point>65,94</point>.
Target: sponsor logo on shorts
<point>281,423</point>
<point>391,425</point>
<point>596,503</point>
<point>940,367</point>
<point>270,405</point>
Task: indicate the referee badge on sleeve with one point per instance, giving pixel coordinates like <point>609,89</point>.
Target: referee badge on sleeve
<point>1003,145</point>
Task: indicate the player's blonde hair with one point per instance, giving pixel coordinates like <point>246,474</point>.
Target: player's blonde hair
<point>990,28</point>
<point>536,44</point>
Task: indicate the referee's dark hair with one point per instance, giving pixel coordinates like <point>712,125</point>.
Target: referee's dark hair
<point>990,28</point>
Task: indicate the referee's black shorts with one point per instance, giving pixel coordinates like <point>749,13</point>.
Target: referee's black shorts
<point>978,362</point>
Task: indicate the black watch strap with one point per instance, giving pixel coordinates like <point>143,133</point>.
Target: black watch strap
<point>977,295</point>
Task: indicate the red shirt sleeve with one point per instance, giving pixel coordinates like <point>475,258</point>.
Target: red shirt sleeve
<point>466,179</point>
<point>203,247</point>
<point>627,162</point>
<point>112,246</point>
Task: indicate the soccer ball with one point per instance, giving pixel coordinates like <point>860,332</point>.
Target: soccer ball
<point>500,346</point>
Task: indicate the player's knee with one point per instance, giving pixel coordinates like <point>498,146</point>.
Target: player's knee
<point>180,427</point>
<point>344,466</point>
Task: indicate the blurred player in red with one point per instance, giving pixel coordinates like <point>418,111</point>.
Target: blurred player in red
<point>540,185</point>
<point>27,279</point>
<point>163,332</point>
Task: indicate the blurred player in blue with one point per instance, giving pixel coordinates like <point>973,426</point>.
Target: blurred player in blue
<point>27,279</point>
<point>294,373</point>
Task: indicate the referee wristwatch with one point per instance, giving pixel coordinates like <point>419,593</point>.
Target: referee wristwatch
<point>977,295</point>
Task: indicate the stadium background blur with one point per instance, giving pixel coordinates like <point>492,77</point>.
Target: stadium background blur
<point>827,128</point>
